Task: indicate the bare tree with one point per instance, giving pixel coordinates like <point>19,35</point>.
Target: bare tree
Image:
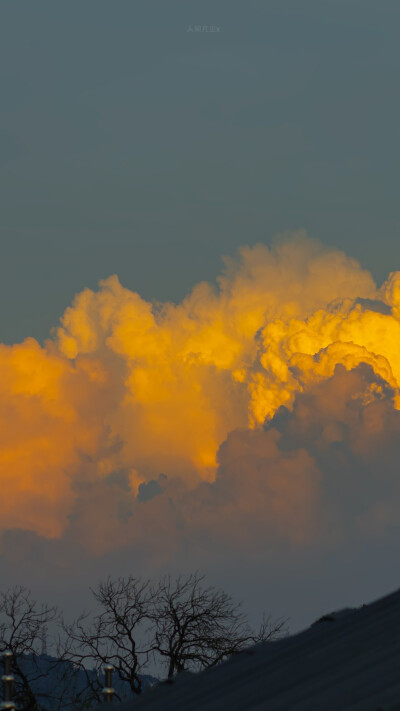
<point>113,636</point>
<point>181,622</point>
<point>23,627</point>
<point>196,627</point>
<point>185,624</point>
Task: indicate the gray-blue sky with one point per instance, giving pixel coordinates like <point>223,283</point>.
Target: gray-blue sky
<point>129,144</point>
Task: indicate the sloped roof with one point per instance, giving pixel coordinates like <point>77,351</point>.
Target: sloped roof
<point>347,661</point>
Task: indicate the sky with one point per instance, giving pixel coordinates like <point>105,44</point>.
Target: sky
<point>200,303</point>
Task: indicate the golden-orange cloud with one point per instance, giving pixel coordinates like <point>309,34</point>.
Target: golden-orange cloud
<point>128,389</point>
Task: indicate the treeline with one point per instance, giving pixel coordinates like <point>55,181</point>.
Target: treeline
<point>173,625</point>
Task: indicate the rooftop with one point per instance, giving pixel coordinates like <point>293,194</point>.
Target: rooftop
<point>346,661</point>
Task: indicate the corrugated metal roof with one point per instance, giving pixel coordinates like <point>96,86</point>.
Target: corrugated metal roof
<point>348,661</point>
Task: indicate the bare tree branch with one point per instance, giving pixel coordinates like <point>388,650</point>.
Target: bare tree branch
<point>115,635</point>
<point>23,622</point>
<point>196,627</point>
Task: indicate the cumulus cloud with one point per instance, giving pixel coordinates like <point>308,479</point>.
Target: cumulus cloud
<point>262,409</point>
<point>324,470</point>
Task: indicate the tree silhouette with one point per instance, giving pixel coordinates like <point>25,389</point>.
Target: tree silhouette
<point>23,626</point>
<point>112,636</point>
<point>197,627</point>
